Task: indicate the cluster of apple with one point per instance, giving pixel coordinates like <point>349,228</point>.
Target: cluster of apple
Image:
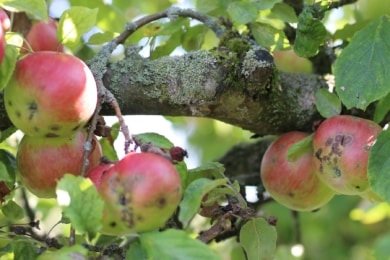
<point>50,97</point>
<point>332,161</point>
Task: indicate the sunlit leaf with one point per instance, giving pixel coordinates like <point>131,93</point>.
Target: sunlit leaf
<point>193,195</point>
<point>208,170</point>
<point>258,238</point>
<point>379,166</point>
<point>81,203</point>
<point>100,38</point>
<point>361,71</point>
<point>153,138</point>
<point>283,12</point>
<point>267,35</point>
<point>382,108</point>
<point>74,23</point>
<point>24,249</point>
<point>12,210</point>
<point>65,253</point>
<point>242,12</point>
<point>327,103</point>
<point>8,65</point>
<point>37,8</point>
<point>175,244</point>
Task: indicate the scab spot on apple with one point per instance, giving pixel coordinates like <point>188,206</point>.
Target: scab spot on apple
<point>337,172</point>
<point>51,135</point>
<point>77,127</point>
<point>55,127</point>
<point>10,103</point>
<point>161,202</point>
<point>112,224</point>
<point>33,108</point>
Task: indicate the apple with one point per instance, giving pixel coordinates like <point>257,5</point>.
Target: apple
<point>293,184</point>
<point>4,20</point>
<point>141,192</point>
<point>42,161</point>
<point>4,26</point>
<point>288,61</point>
<point>50,94</point>
<point>341,148</point>
<point>96,173</point>
<point>42,36</point>
<point>4,191</point>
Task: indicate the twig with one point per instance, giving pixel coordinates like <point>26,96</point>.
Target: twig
<point>337,4</point>
<point>297,227</point>
<point>170,13</point>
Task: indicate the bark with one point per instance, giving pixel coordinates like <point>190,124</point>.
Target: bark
<point>242,88</point>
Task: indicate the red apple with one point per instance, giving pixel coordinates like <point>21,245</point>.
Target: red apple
<point>96,173</point>
<point>2,44</point>
<point>4,20</point>
<point>341,147</point>
<point>141,192</point>
<point>42,36</point>
<point>50,94</point>
<point>42,161</point>
<point>293,184</point>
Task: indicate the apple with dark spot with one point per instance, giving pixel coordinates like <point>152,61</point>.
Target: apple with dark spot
<point>294,183</point>
<point>42,161</point>
<point>96,173</point>
<point>50,94</point>
<point>341,148</point>
<point>141,192</point>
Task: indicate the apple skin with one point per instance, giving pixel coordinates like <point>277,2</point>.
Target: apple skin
<point>43,161</point>
<point>293,184</point>
<point>42,36</point>
<point>96,173</point>
<point>2,44</point>
<point>141,192</point>
<point>4,20</point>
<point>50,94</point>
<point>341,148</point>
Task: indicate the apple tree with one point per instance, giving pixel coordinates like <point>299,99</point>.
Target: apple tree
<point>284,105</point>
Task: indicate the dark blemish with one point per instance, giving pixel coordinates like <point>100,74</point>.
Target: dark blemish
<point>140,218</point>
<point>161,202</point>
<point>338,139</point>
<point>346,140</point>
<point>337,172</point>
<point>33,108</point>
<point>122,200</point>
<point>336,150</point>
<point>335,160</point>
<point>76,128</point>
<point>9,103</point>
<point>113,224</point>
<point>18,114</point>
<point>49,135</point>
<point>357,187</point>
<point>290,194</point>
<point>55,127</point>
<point>36,129</point>
<point>318,154</point>
<point>329,141</point>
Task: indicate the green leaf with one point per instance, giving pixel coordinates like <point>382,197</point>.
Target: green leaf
<point>7,168</point>
<point>136,251</point>
<point>208,170</point>
<point>100,38</point>
<point>267,35</point>
<point>299,148</point>
<point>66,253</point>
<point>153,138</point>
<point>8,65</point>
<point>382,108</point>
<point>266,4</point>
<point>258,239</point>
<point>193,196</point>
<point>327,103</point>
<point>74,23</point>
<point>283,12</point>
<point>174,244</point>
<point>193,38</point>
<point>361,71</point>
<point>311,33</point>
<point>379,166</point>
<point>81,203</point>
<point>36,8</point>
<point>12,210</point>
<point>381,247</point>
<point>24,249</point>
<point>242,12</point>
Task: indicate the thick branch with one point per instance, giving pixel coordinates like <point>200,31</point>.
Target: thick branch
<point>244,90</point>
